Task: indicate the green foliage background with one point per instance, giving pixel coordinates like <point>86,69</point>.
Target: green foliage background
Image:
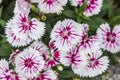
<point>110,13</point>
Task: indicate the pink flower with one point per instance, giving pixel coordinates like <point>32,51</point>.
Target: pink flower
<point>88,44</point>
<point>13,55</point>
<point>77,2</point>
<point>93,7</point>
<point>28,28</point>
<point>20,30</point>
<point>22,6</point>
<point>11,75</point>
<point>4,66</point>
<point>41,48</point>
<point>97,64</point>
<point>76,59</point>
<point>66,34</point>
<point>50,63</point>
<point>56,55</point>
<point>48,75</point>
<point>12,38</point>
<point>52,45</point>
<point>52,6</point>
<point>29,63</point>
<point>110,41</point>
<point>6,74</point>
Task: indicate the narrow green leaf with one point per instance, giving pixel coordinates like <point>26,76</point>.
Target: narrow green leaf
<point>110,13</point>
<point>48,28</point>
<point>83,7</point>
<point>2,23</point>
<point>66,74</point>
<point>115,20</point>
<point>4,52</point>
<point>34,9</point>
<point>69,13</point>
<point>1,11</point>
<point>98,20</point>
<point>78,19</point>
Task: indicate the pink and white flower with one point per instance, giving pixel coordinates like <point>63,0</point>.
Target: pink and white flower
<point>41,48</point>
<point>66,34</point>
<point>56,55</point>
<point>77,2</point>
<point>4,66</point>
<point>110,41</point>
<point>44,52</point>
<point>97,64</point>
<point>11,75</point>
<point>48,75</point>
<point>27,28</point>
<point>29,63</point>
<point>6,74</point>
<point>13,55</point>
<point>76,59</point>
<point>52,45</point>
<point>22,6</point>
<point>52,6</point>
<point>12,38</point>
<point>88,44</point>
<point>50,63</point>
<point>93,7</point>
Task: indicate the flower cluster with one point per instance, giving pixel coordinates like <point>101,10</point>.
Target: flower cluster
<point>56,6</point>
<point>70,45</point>
<point>93,6</point>
<point>21,30</point>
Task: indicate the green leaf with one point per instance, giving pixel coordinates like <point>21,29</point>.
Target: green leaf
<point>110,13</point>
<point>4,52</point>
<point>83,7</point>
<point>104,10</point>
<point>98,20</point>
<point>78,19</point>
<point>34,9</point>
<point>8,11</point>
<point>1,11</point>
<point>115,20</point>
<point>48,28</point>
<point>91,23</point>
<point>69,13</point>
<point>2,23</point>
<point>66,74</point>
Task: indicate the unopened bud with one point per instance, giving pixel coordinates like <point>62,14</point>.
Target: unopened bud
<point>43,18</point>
<point>60,68</point>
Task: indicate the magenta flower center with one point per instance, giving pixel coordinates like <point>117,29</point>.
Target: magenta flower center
<point>81,2</point>
<point>65,33</point>
<point>74,58</point>
<point>49,2</point>
<point>93,62</point>
<point>26,25</point>
<point>29,63</point>
<point>110,37</point>
<point>91,1</point>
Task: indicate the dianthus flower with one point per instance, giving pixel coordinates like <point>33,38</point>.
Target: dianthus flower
<point>52,6</point>
<point>96,64</point>
<point>29,63</point>
<point>110,41</point>
<point>66,34</point>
